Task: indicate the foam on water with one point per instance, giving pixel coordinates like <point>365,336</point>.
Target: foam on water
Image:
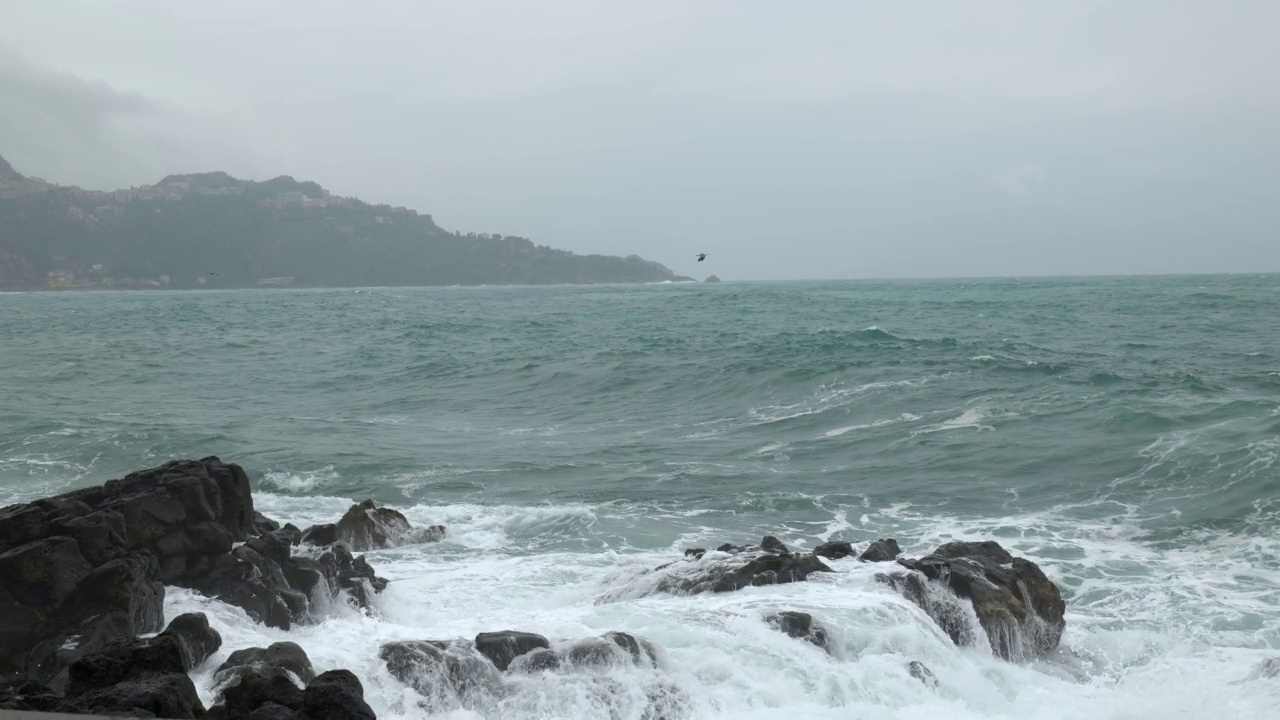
<point>1138,645</point>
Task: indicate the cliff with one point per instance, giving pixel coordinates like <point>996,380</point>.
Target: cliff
<point>214,230</point>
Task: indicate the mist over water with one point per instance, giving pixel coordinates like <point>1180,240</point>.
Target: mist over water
<point>1122,433</point>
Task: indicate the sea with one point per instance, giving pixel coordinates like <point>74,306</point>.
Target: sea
<point>1122,433</point>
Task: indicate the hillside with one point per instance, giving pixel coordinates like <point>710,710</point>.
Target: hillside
<point>213,230</point>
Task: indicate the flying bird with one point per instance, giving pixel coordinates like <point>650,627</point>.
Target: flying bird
<point>213,273</point>
<point>702,256</point>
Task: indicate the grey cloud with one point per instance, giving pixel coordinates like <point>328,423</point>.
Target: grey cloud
<point>981,137</point>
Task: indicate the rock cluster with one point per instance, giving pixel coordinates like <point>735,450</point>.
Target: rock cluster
<point>83,574</point>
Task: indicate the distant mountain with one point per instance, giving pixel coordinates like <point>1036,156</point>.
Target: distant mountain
<point>214,230</point>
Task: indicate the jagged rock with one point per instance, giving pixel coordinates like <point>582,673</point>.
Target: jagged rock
<point>503,647</point>
<point>834,550</point>
<point>163,695</point>
<point>29,695</point>
<point>881,551</point>
<point>87,567</point>
<point>536,661</point>
<point>365,526</point>
<point>132,676</point>
<point>770,563</point>
<point>125,659</point>
<point>801,625</point>
<point>326,534</point>
<point>283,659</point>
<point>438,669</point>
<point>336,695</point>
<point>263,524</point>
<point>611,649</point>
<point>198,640</point>
<point>695,553</point>
<point>255,690</point>
<point>343,571</point>
<point>922,673</point>
<point>1020,609</point>
<point>248,580</point>
<point>773,545</point>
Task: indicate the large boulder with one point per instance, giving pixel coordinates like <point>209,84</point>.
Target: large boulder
<point>146,677</point>
<point>87,567</point>
<point>1020,609</point>
<point>256,583</point>
<point>801,625</point>
<point>834,550</point>
<point>452,672</point>
<point>505,646</point>
<point>281,659</point>
<point>365,526</point>
<point>198,640</point>
<point>881,551</point>
<point>336,695</point>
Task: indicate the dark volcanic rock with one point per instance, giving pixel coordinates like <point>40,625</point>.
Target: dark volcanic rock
<point>439,669</point>
<point>365,526</point>
<point>881,551</point>
<point>30,695</point>
<point>922,673</point>
<point>263,524</point>
<point>247,579</point>
<point>611,649</point>
<point>134,677</point>
<point>768,564</point>
<point>503,647</point>
<point>801,625</point>
<point>198,640</point>
<point>163,695</point>
<point>272,661</point>
<point>343,571</point>
<point>336,695</point>
<point>255,690</point>
<point>125,659</point>
<point>1020,609</point>
<point>834,550</point>
<point>326,534</point>
<point>85,568</point>
<point>536,661</point>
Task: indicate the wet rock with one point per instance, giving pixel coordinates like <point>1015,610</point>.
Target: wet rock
<point>256,690</point>
<point>326,534</point>
<point>438,669</point>
<point>503,647</point>
<point>336,695</point>
<point>29,695</point>
<point>282,659</point>
<point>772,544</point>
<point>611,649</point>
<point>163,695</point>
<point>770,563</point>
<point>365,526</point>
<point>87,567</point>
<point>255,583</point>
<point>695,553</point>
<point>263,524</point>
<point>801,625</point>
<point>922,673</point>
<point>1018,606</point>
<point>125,659</point>
<point>881,551</point>
<point>536,661</point>
<point>834,550</point>
<point>344,571</point>
<point>198,640</point>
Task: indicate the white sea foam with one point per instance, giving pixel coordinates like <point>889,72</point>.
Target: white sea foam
<point>903,418</point>
<point>1141,643</point>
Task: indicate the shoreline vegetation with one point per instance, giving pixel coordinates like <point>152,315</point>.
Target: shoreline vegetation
<point>211,230</point>
<point>83,577</point>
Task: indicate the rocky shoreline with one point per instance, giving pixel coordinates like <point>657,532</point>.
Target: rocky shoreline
<point>83,578</point>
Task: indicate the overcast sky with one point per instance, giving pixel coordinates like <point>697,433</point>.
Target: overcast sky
<point>823,139</point>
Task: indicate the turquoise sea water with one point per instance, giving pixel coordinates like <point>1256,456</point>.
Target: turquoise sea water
<point>1121,432</point>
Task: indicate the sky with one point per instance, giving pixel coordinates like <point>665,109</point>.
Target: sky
<point>817,140</point>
